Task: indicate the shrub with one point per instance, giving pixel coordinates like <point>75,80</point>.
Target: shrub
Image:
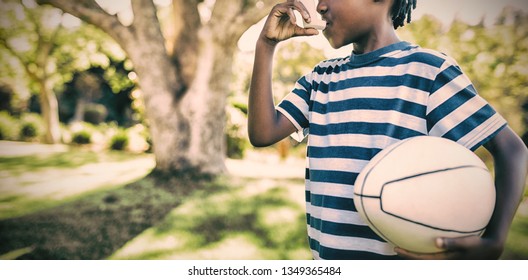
<point>235,132</point>
<point>82,137</point>
<point>8,127</point>
<point>6,98</point>
<point>30,127</point>
<point>119,141</point>
<point>95,113</point>
<point>236,144</point>
<point>28,130</point>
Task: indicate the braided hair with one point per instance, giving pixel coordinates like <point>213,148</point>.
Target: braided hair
<point>401,9</point>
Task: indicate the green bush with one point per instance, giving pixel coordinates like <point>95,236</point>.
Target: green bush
<point>119,141</point>
<point>30,127</point>
<point>82,137</point>
<point>28,131</point>
<point>95,113</point>
<point>8,127</point>
<point>236,144</point>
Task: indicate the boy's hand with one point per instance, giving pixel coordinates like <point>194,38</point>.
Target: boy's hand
<point>281,23</point>
<point>469,248</point>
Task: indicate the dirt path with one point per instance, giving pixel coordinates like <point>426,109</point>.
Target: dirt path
<point>54,183</point>
<point>12,149</point>
<point>59,183</point>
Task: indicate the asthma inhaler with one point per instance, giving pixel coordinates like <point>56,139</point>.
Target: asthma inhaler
<point>316,21</point>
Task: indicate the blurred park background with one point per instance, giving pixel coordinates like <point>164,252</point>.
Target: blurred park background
<point>123,124</point>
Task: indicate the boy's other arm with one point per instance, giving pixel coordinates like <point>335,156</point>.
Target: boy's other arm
<point>266,125</point>
<point>510,157</point>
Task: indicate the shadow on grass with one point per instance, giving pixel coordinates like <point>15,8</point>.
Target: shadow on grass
<point>232,224</point>
<point>96,225</point>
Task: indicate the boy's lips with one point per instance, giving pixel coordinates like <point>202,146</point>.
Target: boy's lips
<point>328,24</point>
<point>327,21</point>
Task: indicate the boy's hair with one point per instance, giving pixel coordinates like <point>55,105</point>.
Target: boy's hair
<point>402,9</point>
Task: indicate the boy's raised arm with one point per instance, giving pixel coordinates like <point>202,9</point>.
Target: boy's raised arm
<point>266,126</point>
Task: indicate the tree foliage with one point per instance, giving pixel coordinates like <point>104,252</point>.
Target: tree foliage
<point>494,57</point>
<point>43,47</point>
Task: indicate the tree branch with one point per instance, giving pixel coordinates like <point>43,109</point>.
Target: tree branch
<point>255,11</point>
<point>233,18</point>
<point>144,13</point>
<point>185,45</point>
<point>90,12</point>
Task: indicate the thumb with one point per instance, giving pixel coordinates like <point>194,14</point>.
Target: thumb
<point>457,243</point>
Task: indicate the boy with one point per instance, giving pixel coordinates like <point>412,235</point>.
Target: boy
<point>353,107</point>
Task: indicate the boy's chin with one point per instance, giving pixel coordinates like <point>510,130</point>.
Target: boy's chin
<point>334,43</point>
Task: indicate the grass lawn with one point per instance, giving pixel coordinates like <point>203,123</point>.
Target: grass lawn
<point>92,226</point>
<point>33,182</point>
<point>250,219</point>
<point>207,218</point>
<point>180,216</point>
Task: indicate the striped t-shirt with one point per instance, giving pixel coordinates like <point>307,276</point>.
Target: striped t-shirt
<point>353,107</point>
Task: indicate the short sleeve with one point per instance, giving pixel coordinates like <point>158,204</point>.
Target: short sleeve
<point>455,110</point>
<point>295,106</point>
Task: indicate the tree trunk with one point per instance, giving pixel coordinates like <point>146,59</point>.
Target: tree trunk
<point>188,132</point>
<point>204,104</point>
<point>169,128</point>
<point>50,112</point>
<point>80,107</point>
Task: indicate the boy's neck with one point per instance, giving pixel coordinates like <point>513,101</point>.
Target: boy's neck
<point>376,40</point>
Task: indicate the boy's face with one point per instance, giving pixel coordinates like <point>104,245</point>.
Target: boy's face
<point>352,21</point>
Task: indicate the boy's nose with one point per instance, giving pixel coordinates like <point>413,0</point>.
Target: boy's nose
<point>322,8</point>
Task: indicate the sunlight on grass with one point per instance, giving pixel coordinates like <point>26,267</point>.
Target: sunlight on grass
<point>31,183</point>
<point>231,224</point>
<point>17,165</point>
<point>13,255</point>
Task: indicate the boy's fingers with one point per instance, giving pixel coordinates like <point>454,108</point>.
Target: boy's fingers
<point>303,10</point>
<point>291,14</point>
<point>299,6</point>
<point>299,31</point>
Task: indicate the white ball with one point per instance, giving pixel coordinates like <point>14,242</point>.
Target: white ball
<point>422,188</point>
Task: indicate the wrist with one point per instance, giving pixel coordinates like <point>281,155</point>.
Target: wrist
<point>266,44</point>
<point>495,247</point>
<point>495,242</point>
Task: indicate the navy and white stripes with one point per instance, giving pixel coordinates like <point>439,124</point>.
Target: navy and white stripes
<point>351,108</point>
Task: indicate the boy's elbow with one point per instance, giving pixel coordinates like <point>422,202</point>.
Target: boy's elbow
<point>258,142</point>
<point>517,149</point>
<point>257,139</point>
